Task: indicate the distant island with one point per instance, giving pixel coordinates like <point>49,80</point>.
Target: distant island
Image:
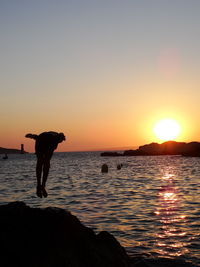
<point>12,151</point>
<point>191,149</point>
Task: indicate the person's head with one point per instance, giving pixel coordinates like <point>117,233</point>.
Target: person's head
<point>61,137</point>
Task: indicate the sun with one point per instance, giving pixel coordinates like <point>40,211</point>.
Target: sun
<point>167,129</point>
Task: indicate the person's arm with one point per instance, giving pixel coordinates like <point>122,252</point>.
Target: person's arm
<point>32,136</point>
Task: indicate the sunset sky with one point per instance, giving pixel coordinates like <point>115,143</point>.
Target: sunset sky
<point>103,72</point>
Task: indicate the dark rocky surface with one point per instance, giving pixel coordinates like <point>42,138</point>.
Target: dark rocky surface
<point>53,237</point>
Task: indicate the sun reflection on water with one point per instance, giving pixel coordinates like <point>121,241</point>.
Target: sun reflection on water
<point>171,235</point>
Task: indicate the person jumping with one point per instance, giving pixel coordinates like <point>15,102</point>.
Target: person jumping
<point>45,144</point>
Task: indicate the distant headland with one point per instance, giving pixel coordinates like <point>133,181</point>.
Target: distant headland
<point>12,151</point>
<point>191,149</point>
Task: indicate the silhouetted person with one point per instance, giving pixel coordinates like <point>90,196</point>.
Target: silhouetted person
<point>45,145</point>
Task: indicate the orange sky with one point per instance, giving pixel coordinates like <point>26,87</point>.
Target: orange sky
<point>104,82</point>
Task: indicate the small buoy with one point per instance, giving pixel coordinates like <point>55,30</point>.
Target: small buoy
<point>104,168</point>
<point>119,166</point>
<point>5,157</point>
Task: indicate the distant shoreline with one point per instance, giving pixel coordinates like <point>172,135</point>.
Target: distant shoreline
<point>191,149</point>
<point>11,151</point>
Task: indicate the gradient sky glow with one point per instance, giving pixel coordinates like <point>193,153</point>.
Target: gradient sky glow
<point>103,72</point>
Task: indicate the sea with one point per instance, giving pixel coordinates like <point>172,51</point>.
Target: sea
<point>151,205</point>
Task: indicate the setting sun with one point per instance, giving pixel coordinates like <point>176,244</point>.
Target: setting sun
<point>167,129</point>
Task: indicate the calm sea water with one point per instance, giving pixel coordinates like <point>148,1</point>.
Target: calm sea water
<point>151,205</point>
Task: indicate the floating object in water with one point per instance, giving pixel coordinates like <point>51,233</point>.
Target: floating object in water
<point>104,168</point>
<point>5,157</point>
<point>119,166</point>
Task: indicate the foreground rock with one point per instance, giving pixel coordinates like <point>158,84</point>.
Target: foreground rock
<point>52,237</point>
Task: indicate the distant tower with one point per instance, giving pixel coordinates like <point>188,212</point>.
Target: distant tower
<point>22,148</point>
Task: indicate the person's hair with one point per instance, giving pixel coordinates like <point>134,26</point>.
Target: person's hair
<point>61,137</point>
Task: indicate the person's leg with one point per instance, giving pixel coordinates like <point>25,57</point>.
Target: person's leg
<point>46,167</point>
<point>39,166</point>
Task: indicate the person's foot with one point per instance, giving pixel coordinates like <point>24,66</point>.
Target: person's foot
<point>39,191</point>
<point>44,192</point>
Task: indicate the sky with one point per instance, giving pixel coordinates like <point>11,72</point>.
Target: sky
<point>102,71</point>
